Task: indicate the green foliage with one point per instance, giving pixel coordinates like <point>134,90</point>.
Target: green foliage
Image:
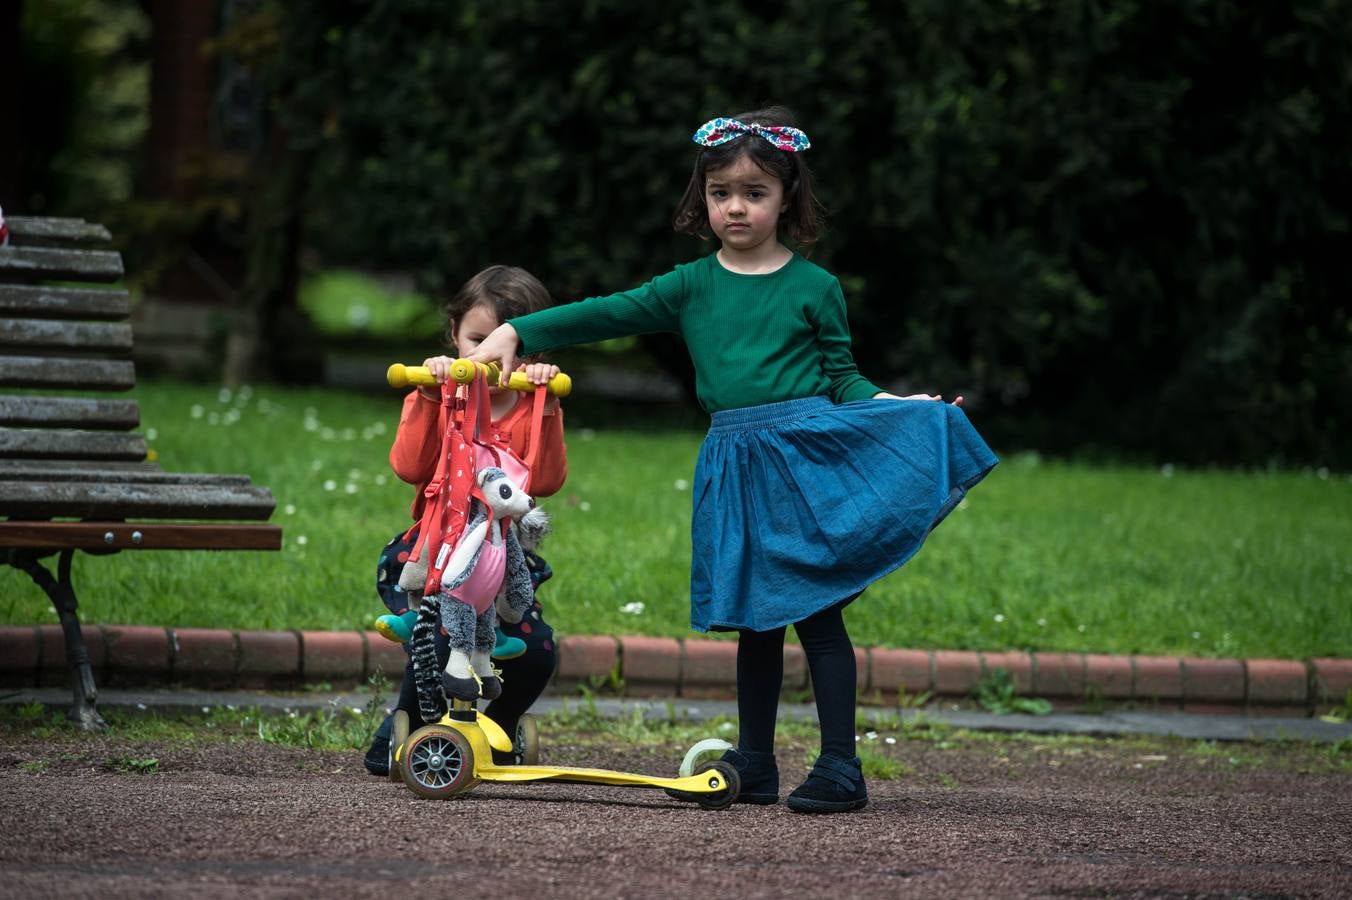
<point>1342,712</point>
<point>135,765</point>
<point>1114,225</point>
<point>881,766</point>
<point>86,109</point>
<point>996,693</point>
<point>349,303</point>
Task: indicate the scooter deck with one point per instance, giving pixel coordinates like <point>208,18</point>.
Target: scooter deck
<point>701,783</point>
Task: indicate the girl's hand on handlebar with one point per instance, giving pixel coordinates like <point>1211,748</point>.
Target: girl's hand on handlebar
<point>440,368</point>
<point>499,347</point>
<point>540,373</point>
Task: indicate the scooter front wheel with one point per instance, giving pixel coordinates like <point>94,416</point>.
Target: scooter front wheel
<point>720,799</point>
<point>437,763</point>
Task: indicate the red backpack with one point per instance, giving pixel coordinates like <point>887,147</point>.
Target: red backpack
<point>467,446</point>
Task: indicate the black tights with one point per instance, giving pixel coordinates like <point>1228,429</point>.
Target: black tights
<point>760,676</point>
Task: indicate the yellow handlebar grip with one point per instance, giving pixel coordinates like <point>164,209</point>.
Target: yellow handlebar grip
<point>400,375</point>
<point>559,386</point>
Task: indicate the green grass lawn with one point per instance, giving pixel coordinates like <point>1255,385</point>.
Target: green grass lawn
<point>1041,556</point>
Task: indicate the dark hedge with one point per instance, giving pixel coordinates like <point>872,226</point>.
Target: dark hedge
<point>1118,227</point>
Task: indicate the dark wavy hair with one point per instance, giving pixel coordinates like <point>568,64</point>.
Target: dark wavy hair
<point>801,220</point>
<point>508,291</point>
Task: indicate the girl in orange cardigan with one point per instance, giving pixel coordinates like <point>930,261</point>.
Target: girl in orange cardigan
<point>482,303</point>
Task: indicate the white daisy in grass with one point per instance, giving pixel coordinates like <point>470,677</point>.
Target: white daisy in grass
<point>633,609</point>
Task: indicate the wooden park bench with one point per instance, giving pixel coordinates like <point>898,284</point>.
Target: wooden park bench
<point>73,469</point>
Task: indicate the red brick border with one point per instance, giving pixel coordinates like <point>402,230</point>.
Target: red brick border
<point>209,655</point>
<point>136,652</point>
<point>581,656</point>
<point>133,654</point>
<point>1157,679</point>
<point>332,656</point>
<point>891,671</point>
<point>1331,680</point>
<point>708,668</point>
<point>1058,675</point>
<point>18,655</point>
<point>266,657</point>
<point>386,656</point>
<point>1109,677</point>
<point>53,667</point>
<point>1018,665</point>
<point>1212,680</point>
<point>650,664</point>
<point>956,672</point>
<point>1276,682</point>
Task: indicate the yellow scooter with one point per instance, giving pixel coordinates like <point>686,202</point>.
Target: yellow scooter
<point>447,759</point>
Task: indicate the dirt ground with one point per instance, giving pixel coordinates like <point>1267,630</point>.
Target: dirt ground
<point>96,816</point>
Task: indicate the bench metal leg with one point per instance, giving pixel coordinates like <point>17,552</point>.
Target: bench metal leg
<point>83,711</point>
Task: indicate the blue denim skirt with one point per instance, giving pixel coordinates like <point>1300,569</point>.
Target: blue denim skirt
<point>801,504</point>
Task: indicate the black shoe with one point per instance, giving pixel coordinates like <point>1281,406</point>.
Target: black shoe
<point>459,688</point>
<point>377,760</point>
<point>834,785</point>
<point>759,776</point>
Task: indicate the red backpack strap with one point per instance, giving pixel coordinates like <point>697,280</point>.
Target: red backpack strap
<point>429,524</point>
<point>456,472</point>
<point>537,424</point>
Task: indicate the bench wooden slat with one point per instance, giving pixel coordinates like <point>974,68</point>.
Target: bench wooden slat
<point>69,412</point>
<point>60,263</point>
<point>153,536</point>
<point>110,337</point>
<point>63,372</point>
<point>71,443</point>
<point>48,231</point>
<point>59,468</point>
<point>88,472</point>
<point>86,500</point>
<point>39,301</point>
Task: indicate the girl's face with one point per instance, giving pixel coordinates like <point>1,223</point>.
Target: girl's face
<point>744,204</point>
<point>473,327</point>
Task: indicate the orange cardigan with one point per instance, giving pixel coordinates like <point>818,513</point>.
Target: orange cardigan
<point>418,441</point>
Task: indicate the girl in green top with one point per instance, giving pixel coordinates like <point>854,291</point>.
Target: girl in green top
<point>812,482</point>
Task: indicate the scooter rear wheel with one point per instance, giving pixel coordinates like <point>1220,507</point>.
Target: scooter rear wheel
<point>398,736</point>
<point>727,796</point>
<point>528,740</point>
<point>437,763</point>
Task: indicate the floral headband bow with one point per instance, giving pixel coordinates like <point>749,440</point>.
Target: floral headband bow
<point>721,130</point>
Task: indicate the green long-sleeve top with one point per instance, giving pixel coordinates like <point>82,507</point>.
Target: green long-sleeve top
<point>753,338</point>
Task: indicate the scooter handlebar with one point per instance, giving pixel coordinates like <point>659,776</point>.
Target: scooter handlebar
<point>463,370</point>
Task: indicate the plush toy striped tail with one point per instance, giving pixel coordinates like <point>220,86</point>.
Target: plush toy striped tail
<point>431,699</point>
